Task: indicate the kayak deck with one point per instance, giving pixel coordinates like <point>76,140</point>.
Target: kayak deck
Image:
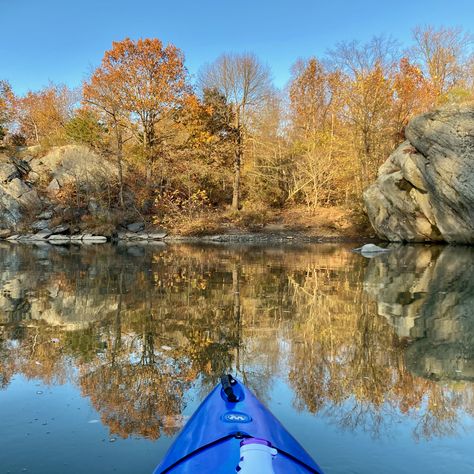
<point>210,441</point>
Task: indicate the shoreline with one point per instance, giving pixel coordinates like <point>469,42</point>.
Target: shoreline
<point>284,237</point>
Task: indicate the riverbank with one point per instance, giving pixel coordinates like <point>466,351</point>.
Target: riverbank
<point>333,224</point>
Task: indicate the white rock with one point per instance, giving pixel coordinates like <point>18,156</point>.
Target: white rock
<point>157,235</point>
<point>371,249</point>
<point>98,239</point>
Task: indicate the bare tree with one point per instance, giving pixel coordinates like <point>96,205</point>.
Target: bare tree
<point>443,53</point>
<point>246,84</point>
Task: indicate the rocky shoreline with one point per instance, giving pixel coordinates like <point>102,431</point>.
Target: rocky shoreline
<point>162,236</point>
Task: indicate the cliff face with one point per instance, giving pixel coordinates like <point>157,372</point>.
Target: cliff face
<point>425,190</point>
<point>28,186</point>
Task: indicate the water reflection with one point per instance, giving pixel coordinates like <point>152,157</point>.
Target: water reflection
<point>427,294</point>
<point>366,343</point>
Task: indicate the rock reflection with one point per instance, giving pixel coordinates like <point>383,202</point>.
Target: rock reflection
<point>427,295</point>
<point>363,342</point>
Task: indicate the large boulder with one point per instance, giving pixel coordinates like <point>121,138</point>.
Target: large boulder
<point>17,198</point>
<point>425,190</point>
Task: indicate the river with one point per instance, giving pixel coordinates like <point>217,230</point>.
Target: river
<point>105,351</point>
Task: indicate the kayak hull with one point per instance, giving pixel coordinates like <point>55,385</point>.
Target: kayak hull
<point>210,441</point>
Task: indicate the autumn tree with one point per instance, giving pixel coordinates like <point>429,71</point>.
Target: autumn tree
<point>414,95</point>
<point>367,94</point>
<point>6,106</point>
<point>207,150</point>
<point>147,81</point>
<point>442,54</point>
<point>311,95</point>
<point>245,83</point>
<point>198,152</point>
<point>101,93</point>
<point>314,118</point>
<point>42,116</point>
<point>269,161</point>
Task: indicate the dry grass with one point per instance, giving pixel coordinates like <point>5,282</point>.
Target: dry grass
<point>330,222</point>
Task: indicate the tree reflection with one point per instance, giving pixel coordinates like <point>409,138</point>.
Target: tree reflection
<point>136,327</point>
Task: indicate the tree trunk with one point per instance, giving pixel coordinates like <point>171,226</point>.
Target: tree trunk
<point>118,135</point>
<point>36,133</point>
<point>237,309</point>
<point>237,167</point>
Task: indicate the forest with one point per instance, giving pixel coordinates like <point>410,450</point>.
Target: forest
<point>226,144</point>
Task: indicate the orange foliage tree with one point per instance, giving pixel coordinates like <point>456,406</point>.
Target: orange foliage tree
<point>414,94</point>
<point>147,81</point>
<point>43,115</point>
<point>6,103</point>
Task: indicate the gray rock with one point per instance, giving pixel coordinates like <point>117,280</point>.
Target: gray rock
<point>75,164</point>
<point>4,233</point>
<point>8,171</point>
<point>17,188</point>
<point>33,177</point>
<point>42,235</point>
<point>425,190</point>
<point>10,210</point>
<point>140,236</point>
<point>136,226</point>
<point>59,239</point>
<point>25,237</point>
<point>53,187</point>
<point>157,235</point>
<point>45,215</point>
<point>30,200</point>
<point>40,225</point>
<point>61,229</point>
<point>72,164</point>
<point>371,250</point>
<point>22,166</point>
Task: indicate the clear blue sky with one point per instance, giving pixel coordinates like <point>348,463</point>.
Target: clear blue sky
<point>61,40</point>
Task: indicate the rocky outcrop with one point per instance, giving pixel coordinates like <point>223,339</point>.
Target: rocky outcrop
<point>17,197</point>
<point>29,186</point>
<point>425,190</point>
<point>73,164</point>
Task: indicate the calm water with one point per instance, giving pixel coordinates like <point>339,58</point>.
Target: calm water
<point>105,351</point>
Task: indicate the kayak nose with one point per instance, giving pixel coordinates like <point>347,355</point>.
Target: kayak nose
<point>231,390</point>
